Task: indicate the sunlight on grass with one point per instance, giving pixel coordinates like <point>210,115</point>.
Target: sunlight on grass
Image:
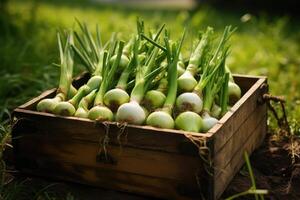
<point>263,45</point>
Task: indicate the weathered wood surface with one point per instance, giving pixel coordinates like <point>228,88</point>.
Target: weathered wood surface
<point>224,178</point>
<point>235,129</point>
<point>232,120</point>
<point>127,182</point>
<point>44,124</point>
<point>141,159</point>
<point>126,159</point>
<point>235,143</point>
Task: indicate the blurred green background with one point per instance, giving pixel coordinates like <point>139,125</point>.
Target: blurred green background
<point>264,44</point>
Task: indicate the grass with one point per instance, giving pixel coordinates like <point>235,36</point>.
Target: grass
<point>257,193</point>
<point>264,44</point>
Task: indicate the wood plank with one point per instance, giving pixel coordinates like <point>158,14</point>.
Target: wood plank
<point>245,82</point>
<point>238,139</point>
<point>143,137</point>
<point>152,152</point>
<point>224,178</point>
<point>131,160</point>
<point>133,183</point>
<point>231,121</point>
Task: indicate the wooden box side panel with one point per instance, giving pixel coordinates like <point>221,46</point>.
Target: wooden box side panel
<point>237,115</point>
<point>159,174</point>
<point>242,131</point>
<point>146,138</point>
<point>223,179</point>
<point>145,145</point>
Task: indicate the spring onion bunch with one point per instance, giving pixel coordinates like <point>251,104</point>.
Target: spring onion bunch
<point>145,81</point>
<point>100,111</point>
<point>187,81</point>
<point>90,54</point>
<point>118,96</point>
<point>133,112</point>
<point>163,117</point>
<point>211,81</point>
<point>66,71</point>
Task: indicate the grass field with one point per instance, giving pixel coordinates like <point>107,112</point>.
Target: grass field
<point>264,44</point>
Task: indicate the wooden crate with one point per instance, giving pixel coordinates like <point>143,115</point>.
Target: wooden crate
<point>141,159</point>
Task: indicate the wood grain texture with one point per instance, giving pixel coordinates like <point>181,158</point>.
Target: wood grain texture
<point>227,174</point>
<point>140,159</point>
<point>126,159</point>
<point>142,137</point>
<point>239,113</point>
<point>133,183</point>
<point>236,142</point>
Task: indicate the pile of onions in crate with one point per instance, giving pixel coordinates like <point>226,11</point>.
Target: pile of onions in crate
<point>146,80</point>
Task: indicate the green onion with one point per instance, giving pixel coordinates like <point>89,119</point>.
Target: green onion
<point>100,111</point>
<point>192,101</point>
<point>189,121</point>
<point>187,82</point>
<point>211,92</point>
<point>85,102</point>
<point>163,118</point>
<point>124,61</point>
<point>118,96</point>
<point>66,67</point>
<point>234,91</point>
<point>155,98</point>
<point>95,54</point>
<point>132,112</point>
<point>180,68</point>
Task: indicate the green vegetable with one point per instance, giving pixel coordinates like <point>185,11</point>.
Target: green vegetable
<point>187,81</point>
<point>85,102</point>
<point>66,67</point>
<point>132,112</point>
<point>163,118</point>
<point>100,111</point>
<point>94,52</point>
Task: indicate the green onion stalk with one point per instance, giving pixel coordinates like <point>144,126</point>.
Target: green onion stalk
<point>211,91</point>
<point>66,71</point>
<point>216,110</point>
<point>84,104</point>
<point>132,112</point>
<point>213,73</point>
<point>100,111</point>
<point>163,118</point>
<point>72,92</point>
<point>91,55</point>
<point>155,98</point>
<point>124,61</point>
<point>217,87</point>
<point>114,98</point>
<point>193,101</point>
<point>180,68</point>
<point>187,81</point>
